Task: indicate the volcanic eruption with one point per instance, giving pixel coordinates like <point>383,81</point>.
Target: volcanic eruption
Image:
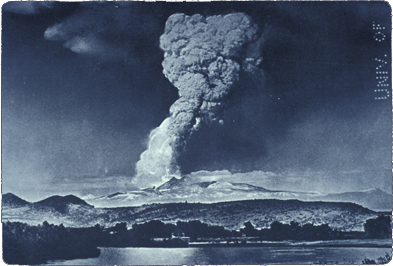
<point>202,59</point>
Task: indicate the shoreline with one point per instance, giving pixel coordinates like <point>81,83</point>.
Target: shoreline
<point>305,244</point>
<point>293,245</point>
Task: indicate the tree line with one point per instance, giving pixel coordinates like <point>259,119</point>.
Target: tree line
<point>25,244</point>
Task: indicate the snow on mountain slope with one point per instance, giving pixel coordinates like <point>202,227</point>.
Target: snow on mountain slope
<point>220,186</point>
<point>196,187</point>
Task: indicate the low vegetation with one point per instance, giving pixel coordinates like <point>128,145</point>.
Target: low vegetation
<point>25,244</point>
<point>74,212</point>
<point>381,260</point>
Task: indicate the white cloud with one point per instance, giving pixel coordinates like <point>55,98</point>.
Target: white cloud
<point>94,30</point>
<point>27,7</point>
<point>56,33</point>
<point>85,45</point>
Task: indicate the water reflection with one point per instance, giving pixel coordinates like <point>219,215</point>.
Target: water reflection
<point>230,255</point>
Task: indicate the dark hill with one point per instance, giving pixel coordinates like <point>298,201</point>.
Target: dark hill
<point>74,212</point>
<point>60,203</point>
<point>12,200</point>
<point>233,215</point>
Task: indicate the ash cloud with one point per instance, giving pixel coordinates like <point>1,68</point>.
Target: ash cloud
<point>203,58</point>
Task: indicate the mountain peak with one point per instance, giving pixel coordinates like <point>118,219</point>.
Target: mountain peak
<point>60,203</point>
<point>171,183</point>
<point>13,200</point>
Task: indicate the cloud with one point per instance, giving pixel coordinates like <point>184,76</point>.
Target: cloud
<point>105,30</point>
<point>87,45</point>
<point>57,32</point>
<point>27,7</point>
<point>91,45</point>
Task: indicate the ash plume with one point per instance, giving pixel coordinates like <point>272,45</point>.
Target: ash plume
<point>202,59</point>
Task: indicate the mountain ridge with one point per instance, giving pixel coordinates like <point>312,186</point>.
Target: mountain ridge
<point>56,202</point>
<point>231,214</point>
<point>206,190</point>
<point>374,198</point>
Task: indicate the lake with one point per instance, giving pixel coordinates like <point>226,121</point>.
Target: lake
<point>231,255</point>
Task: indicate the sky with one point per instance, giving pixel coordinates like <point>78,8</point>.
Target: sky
<point>82,87</point>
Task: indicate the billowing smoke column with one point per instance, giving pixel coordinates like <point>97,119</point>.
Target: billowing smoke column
<point>203,57</point>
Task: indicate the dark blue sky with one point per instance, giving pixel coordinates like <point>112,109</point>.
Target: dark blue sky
<point>82,87</point>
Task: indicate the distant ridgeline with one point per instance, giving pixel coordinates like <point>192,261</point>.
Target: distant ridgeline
<point>30,235</point>
<point>24,244</point>
<point>71,211</point>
